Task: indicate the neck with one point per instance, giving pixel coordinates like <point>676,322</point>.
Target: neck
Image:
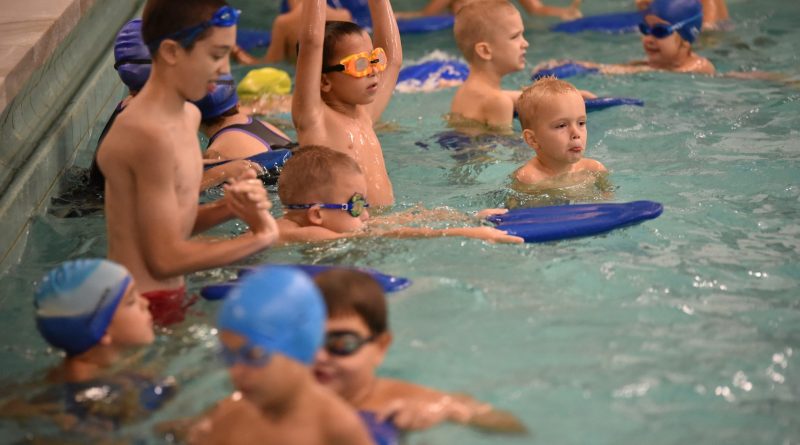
<point>89,365</point>
<point>162,92</point>
<point>301,395</point>
<point>361,394</point>
<point>485,74</point>
<point>347,109</point>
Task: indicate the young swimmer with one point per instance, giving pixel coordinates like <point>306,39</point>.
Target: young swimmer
<point>153,167</point>
<point>715,12</point>
<point>553,117</point>
<point>91,310</point>
<point>357,338</point>
<point>324,195</point>
<point>668,31</point>
<point>270,329</point>
<point>285,33</point>
<point>489,35</point>
<point>342,86</point>
<point>534,7</point>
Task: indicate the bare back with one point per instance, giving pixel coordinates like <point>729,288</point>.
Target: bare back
<point>480,102</point>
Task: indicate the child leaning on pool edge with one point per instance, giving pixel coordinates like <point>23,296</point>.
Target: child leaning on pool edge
<point>356,341</point>
<point>324,196</point>
<point>553,117</point>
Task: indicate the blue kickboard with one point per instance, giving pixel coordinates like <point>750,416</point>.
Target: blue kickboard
<point>389,283</point>
<point>445,69</point>
<point>247,39</point>
<point>541,224</point>
<point>563,71</point>
<point>269,160</point>
<point>615,23</point>
<point>601,103</point>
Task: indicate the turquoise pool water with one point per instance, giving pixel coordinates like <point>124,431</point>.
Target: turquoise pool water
<point>685,329</point>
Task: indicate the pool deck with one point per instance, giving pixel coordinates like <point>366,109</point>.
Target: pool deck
<point>30,31</point>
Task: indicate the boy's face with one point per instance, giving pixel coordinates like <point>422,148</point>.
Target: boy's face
<point>508,44</point>
<point>661,52</point>
<point>132,323</point>
<point>200,67</point>
<point>559,129</point>
<point>264,378</point>
<point>346,88</point>
<point>348,374</point>
<point>341,221</point>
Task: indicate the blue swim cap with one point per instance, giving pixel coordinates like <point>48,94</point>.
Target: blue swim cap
<point>279,309</point>
<point>76,301</point>
<point>677,11</point>
<point>222,99</point>
<point>131,57</point>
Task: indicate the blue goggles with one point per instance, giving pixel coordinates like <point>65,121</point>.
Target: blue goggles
<point>661,31</point>
<point>249,355</point>
<point>355,205</point>
<point>225,17</point>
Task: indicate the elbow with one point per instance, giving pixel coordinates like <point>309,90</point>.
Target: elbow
<point>163,266</point>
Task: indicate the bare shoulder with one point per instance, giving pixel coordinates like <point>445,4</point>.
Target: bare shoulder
<point>392,389</point>
<point>224,423</point>
<point>527,174</point>
<point>592,165</point>
<point>342,424</point>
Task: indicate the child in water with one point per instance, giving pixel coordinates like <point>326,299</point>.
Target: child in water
<point>271,327</point>
<point>357,339</point>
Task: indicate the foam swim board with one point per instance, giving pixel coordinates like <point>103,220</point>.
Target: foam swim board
<point>563,71</point>
<point>268,160</point>
<point>541,224</point>
<point>389,283</point>
<point>615,23</point>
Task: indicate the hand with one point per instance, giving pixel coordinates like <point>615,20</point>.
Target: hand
<point>420,414</point>
<point>485,213</point>
<point>587,94</point>
<point>496,236</point>
<point>573,12</point>
<point>247,200</point>
<point>641,5</point>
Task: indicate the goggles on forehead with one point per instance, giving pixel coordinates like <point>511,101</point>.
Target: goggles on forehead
<point>344,343</point>
<point>361,64</point>
<point>225,17</point>
<point>355,205</point>
<point>249,355</point>
<point>661,30</point>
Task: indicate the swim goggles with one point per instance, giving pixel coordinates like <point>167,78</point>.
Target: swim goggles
<point>355,205</point>
<point>121,62</point>
<point>225,17</point>
<point>249,355</point>
<point>361,64</point>
<point>661,30</point>
<point>344,343</point>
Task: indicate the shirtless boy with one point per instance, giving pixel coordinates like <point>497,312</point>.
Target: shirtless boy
<point>553,117</point>
<point>342,86</point>
<point>152,163</point>
<point>270,330</point>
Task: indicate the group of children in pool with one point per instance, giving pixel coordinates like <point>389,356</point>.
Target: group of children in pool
<point>274,329</point>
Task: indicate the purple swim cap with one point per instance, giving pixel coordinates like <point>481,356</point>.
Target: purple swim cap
<point>131,57</point>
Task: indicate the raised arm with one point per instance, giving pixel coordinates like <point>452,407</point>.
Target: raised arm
<point>536,7</point>
<point>386,36</point>
<point>277,46</point>
<point>307,105</point>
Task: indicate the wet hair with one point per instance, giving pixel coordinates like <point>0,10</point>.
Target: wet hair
<point>351,292</point>
<point>215,120</point>
<point>161,18</point>
<point>476,22</point>
<point>311,171</point>
<point>540,92</point>
<point>334,31</point>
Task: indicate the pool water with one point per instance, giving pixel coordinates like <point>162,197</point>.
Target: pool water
<point>684,329</point>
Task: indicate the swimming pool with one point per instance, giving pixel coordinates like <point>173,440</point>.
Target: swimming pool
<point>684,329</point>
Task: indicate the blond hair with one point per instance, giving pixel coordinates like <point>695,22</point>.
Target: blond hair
<point>535,95</point>
<point>312,172</point>
<point>476,22</point>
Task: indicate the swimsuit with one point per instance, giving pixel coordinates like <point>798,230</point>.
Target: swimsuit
<point>258,130</point>
<point>96,179</point>
<point>169,306</point>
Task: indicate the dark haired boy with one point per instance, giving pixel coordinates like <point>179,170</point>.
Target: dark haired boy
<point>152,163</point>
<point>342,86</point>
<point>357,338</point>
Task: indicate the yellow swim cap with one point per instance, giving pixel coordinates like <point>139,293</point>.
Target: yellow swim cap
<point>264,81</point>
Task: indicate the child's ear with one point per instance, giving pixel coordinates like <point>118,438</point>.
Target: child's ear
<point>325,84</point>
<point>168,51</point>
<point>314,215</point>
<point>483,50</point>
<point>530,138</point>
<point>383,342</point>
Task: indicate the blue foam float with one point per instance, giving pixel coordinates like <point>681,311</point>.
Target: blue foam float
<point>565,70</point>
<point>601,103</point>
<point>389,283</point>
<point>268,160</point>
<point>247,39</point>
<point>541,224</point>
<point>614,23</point>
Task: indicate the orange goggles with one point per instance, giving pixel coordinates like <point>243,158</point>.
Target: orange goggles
<point>361,64</point>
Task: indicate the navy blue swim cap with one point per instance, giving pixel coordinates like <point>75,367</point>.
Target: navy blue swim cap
<point>677,11</point>
<point>222,99</point>
<point>77,300</point>
<point>279,309</point>
<point>131,56</point>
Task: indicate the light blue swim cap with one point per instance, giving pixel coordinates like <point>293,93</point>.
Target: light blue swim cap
<point>279,309</point>
<point>76,301</point>
<point>222,99</point>
<point>677,11</point>
<point>131,57</point>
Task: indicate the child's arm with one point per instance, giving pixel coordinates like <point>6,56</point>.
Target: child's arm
<point>217,175</point>
<point>432,8</point>
<point>307,104</point>
<point>483,233</point>
<point>277,46</point>
<point>536,7</point>
<point>386,36</point>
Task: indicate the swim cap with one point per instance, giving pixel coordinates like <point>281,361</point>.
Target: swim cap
<point>131,57</point>
<point>76,301</point>
<point>676,11</point>
<point>263,81</point>
<point>279,309</point>
<point>222,99</point>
